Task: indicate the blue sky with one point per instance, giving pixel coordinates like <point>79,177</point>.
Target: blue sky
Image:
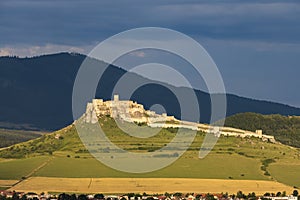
<point>255,44</point>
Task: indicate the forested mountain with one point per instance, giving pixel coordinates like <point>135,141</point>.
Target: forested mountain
<point>36,93</point>
<point>286,129</point>
<point>10,137</point>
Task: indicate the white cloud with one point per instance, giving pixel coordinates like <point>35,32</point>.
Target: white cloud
<point>29,51</point>
<point>5,52</point>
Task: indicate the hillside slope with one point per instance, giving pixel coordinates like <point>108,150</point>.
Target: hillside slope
<point>36,93</point>
<point>285,129</point>
<point>64,155</point>
<point>10,137</point>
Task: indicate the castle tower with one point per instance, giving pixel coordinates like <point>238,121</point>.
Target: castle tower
<point>259,132</point>
<point>116,97</point>
<point>93,118</point>
<point>88,112</point>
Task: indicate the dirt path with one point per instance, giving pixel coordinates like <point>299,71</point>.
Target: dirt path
<point>34,170</point>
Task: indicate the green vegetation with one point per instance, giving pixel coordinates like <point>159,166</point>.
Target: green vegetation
<point>232,157</point>
<point>285,129</point>
<point>10,137</point>
<point>187,166</point>
<point>45,145</point>
<point>16,169</point>
<point>286,172</point>
<point>265,164</point>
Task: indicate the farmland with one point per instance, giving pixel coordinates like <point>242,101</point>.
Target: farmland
<point>148,185</point>
<point>214,166</point>
<point>18,168</point>
<point>232,159</point>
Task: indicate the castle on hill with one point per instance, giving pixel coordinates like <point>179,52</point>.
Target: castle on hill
<point>133,112</point>
<point>126,110</point>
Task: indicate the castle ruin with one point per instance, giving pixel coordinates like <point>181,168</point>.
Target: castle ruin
<point>133,112</point>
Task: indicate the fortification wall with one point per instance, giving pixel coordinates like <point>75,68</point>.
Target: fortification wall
<point>133,112</point>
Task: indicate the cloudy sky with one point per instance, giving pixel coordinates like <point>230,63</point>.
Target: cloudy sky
<point>255,44</point>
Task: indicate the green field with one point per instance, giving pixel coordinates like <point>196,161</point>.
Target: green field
<point>287,173</point>
<point>232,158</point>
<point>185,167</point>
<point>18,168</point>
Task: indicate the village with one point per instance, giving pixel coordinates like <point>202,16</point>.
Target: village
<point>13,195</point>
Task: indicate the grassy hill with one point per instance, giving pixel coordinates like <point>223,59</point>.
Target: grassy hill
<point>286,129</point>
<point>10,137</point>
<point>232,158</point>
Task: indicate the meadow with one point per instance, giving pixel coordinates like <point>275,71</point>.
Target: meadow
<point>232,159</point>
<point>189,166</point>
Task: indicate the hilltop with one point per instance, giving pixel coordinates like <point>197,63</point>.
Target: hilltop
<point>61,154</point>
<point>133,112</point>
<point>36,93</point>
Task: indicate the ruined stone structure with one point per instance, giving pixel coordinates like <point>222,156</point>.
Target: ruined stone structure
<point>126,110</point>
<point>130,111</point>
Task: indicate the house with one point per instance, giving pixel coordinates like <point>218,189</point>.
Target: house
<point>282,198</point>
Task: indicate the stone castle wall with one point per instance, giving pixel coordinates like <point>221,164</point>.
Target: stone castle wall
<point>130,111</point>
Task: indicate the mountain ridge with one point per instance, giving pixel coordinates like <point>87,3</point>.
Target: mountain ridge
<point>37,91</point>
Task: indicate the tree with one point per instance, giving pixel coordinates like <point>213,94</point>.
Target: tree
<point>63,196</point>
<point>177,194</point>
<point>273,194</point>
<point>210,197</point>
<point>198,196</point>
<point>15,196</point>
<point>295,193</point>
<point>167,194</point>
<point>225,195</point>
<point>252,195</point>
<point>267,194</point>
<point>278,194</point>
<point>73,197</point>
<point>130,195</point>
<point>284,193</point>
<point>138,195</point>
<point>99,196</point>
<point>24,197</point>
<point>82,197</point>
<point>240,195</point>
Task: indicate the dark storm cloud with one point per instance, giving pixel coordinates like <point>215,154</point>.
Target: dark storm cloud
<point>79,22</point>
<point>255,44</point>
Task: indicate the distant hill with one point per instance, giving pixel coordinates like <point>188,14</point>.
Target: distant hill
<point>285,129</point>
<point>36,93</point>
<point>10,137</point>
